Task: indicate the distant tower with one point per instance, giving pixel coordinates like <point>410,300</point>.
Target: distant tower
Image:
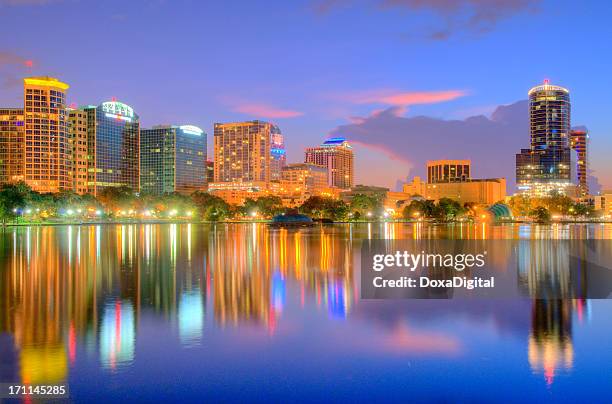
<point>547,165</point>
<point>579,141</point>
<point>336,154</point>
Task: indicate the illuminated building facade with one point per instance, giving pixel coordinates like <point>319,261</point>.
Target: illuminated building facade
<point>251,151</point>
<point>172,159</point>
<point>12,143</point>
<point>479,191</point>
<point>113,137</point>
<point>47,165</point>
<point>448,171</point>
<point>235,193</point>
<point>547,165</point>
<point>304,178</point>
<point>579,140</point>
<point>603,202</point>
<point>77,127</point>
<point>336,154</point>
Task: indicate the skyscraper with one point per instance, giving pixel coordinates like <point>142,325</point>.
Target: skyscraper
<point>77,127</point>
<point>12,145</point>
<point>336,154</point>
<point>547,165</point>
<point>46,152</point>
<point>579,141</point>
<point>247,152</point>
<point>172,159</point>
<point>113,136</point>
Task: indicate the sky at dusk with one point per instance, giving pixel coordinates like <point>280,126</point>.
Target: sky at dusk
<point>369,70</point>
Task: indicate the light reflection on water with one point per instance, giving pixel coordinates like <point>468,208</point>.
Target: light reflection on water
<point>77,300</point>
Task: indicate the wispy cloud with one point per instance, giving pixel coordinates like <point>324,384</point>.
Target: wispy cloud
<point>398,100</point>
<point>266,111</point>
<point>455,16</point>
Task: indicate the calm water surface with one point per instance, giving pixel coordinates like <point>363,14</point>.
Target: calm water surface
<point>245,312</point>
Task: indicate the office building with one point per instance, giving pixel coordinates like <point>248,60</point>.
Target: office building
<point>12,143</point>
<point>448,171</point>
<point>336,154</point>
<point>546,166</point>
<point>579,140</point>
<point>452,179</point>
<point>77,129</point>
<point>304,179</point>
<point>248,152</point>
<point>113,137</point>
<point>172,159</point>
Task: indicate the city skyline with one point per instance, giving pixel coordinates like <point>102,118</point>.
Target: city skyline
<point>323,81</point>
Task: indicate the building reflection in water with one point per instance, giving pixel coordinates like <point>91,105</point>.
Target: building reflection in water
<point>81,290</point>
<point>117,334</point>
<point>550,347</point>
<point>544,271</point>
<point>250,282</point>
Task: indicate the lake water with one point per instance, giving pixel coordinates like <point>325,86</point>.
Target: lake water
<point>186,312</point>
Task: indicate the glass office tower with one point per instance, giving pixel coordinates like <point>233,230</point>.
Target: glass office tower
<point>113,137</point>
<point>547,165</point>
<point>173,159</point>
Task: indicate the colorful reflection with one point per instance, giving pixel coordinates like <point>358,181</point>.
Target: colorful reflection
<point>73,291</point>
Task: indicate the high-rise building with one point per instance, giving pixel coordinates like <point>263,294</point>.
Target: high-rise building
<point>336,154</point>
<point>77,127</point>
<point>579,141</point>
<point>47,143</point>
<point>248,152</point>
<point>12,145</point>
<point>448,171</point>
<point>113,150</point>
<point>547,165</point>
<point>172,159</point>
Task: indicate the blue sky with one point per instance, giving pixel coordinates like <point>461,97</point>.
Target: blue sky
<point>312,66</point>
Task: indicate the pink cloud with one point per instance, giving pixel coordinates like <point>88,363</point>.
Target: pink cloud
<point>266,111</point>
<point>10,58</point>
<point>403,98</point>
